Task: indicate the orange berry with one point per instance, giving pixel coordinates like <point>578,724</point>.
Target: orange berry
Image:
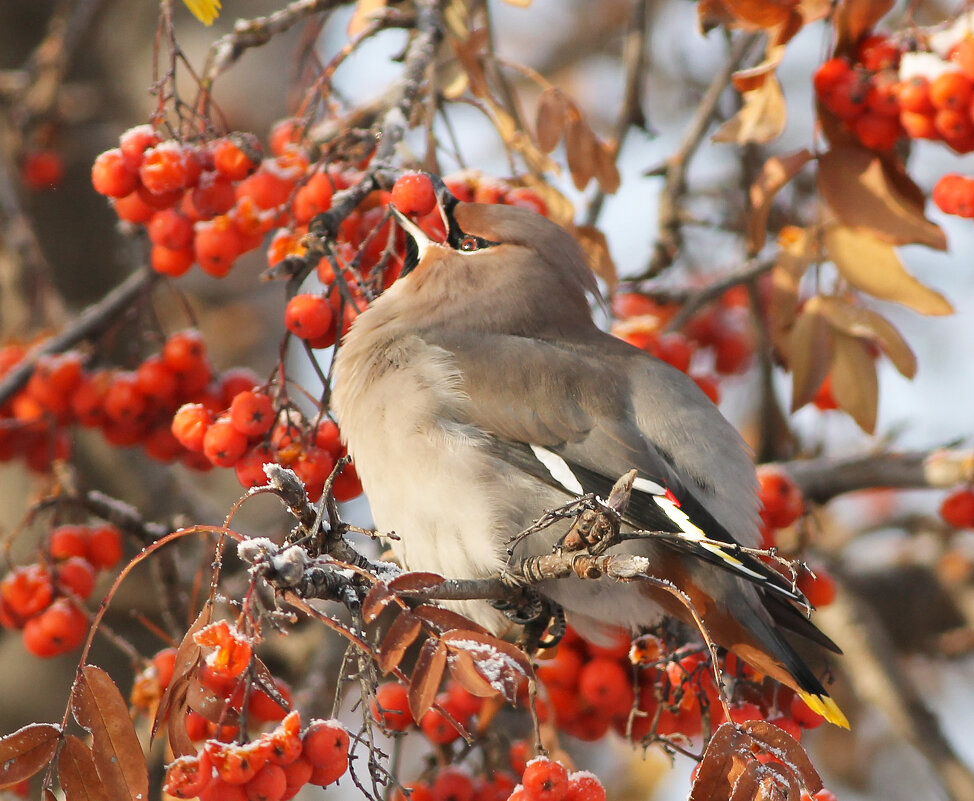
<point>951,90</point>
<point>58,629</point>
<point>545,780</point>
<point>347,484</point>
<point>187,776</point>
<point>212,195</point>
<point>189,425</point>
<point>452,784</point>
<point>217,244</point>
<point>76,576</point>
<point>605,685</point>
<point>285,133</point>
<point>914,95</point>
<point>562,671</point>
<point>877,52</point>
<point>883,96</point>
<point>268,784</point>
<point>124,401</point>
<point>957,509</point>
<point>223,444</point>
<point>413,194</point>
<point>803,715</point>
<point>132,208</point>
<point>252,413</point>
<point>27,590</point>
<point>313,198</point>
<point>308,316</point>
<point>782,501</point>
<point>67,541</point>
<point>104,546</point>
<point>41,169</point>
<point>231,762</point>
<point>437,728</point>
<point>165,168</point>
<point>963,56</point>
<point>584,786</point>
<point>877,131</point>
<point>391,707</point>
<point>819,589</point>
<point>111,176</point>
<point>953,124</point>
<point>236,156</point>
<point>233,649</point>
<point>134,142</point>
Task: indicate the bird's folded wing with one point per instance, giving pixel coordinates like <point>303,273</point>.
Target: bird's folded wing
<point>578,416</point>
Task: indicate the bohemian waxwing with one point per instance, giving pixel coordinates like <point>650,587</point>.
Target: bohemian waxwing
<point>477,392</point>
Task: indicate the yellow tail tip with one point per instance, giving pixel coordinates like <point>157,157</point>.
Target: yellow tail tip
<point>827,708</point>
<point>204,10</point>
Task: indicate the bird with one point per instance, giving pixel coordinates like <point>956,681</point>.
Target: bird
<point>478,391</point>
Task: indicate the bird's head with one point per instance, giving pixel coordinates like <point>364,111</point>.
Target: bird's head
<point>503,268</point>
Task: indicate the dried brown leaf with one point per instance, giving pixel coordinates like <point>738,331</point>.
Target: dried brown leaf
<point>809,353</point>
<point>468,52</point>
<point>99,708</point>
<point>426,677</point>
<point>188,656</point>
<point>445,619</point>
<point>854,17</point>
<point>761,13</point>
<point>26,751</point>
<point>211,705</point>
<point>179,740</point>
<point>416,582</point>
<point>502,664</point>
<point>463,668</point>
<point>864,194</point>
<point>858,321</point>
<point>782,308</point>
<point>401,634</point>
<point>754,77</point>
<point>596,247</point>
<point>606,171</point>
<point>580,144</point>
<point>551,118</point>
<point>874,267</point>
<point>775,173</point>
<point>855,386</point>
<point>362,16</point>
<point>711,13</point>
<point>746,784</point>
<point>722,764</point>
<point>77,773</point>
<point>788,750</point>
<point>378,598</point>
<point>761,119</point>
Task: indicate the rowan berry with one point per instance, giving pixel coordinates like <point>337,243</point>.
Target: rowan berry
<point>297,773</point>
<point>252,413</point>
<point>584,786</point>
<point>104,546</point>
<point>132,208</point>
<point>347,484</point>
<point>157,381</point>
<point>545,779</point>
<point>819,588</point>
<point>830,74</point>
<point>164,664</point>
<point>877,131</point>
<point>413,194</point>
<point>308,316</point>
<point>231,762</point>
<point>743,711</point>
<point>124,402</point>
<point>953,125</point>
<point>189,425</point>
<point>67,541</point>
<point>452,784</point>
<point>803,715</point>
<point>788,725</point>
<point>883,95</point>
<point>267,188</point>
<point>782,500</point>
<point>165,168</point>
<point>187,776</point>
<point>957,509</point>
<point>41,169</point>
<point>437,729</point>
<point>323,775</point>
<point>709,385</point>
<point>952,90</point>
<point>163,200</point>
<point>268,784</point>
<point>312,198</point>
<point>460,702</point>
<point>674,349</point>
<point>414,791</point>
<point>217,244</point>
<point>60,628</point>
<point>847,97</point>
<point>233,650</point>
<point>733,351</point>
<point>605,685</point>
<point>264,709</point>
<point>110,175</point>
<point>236,156</point>
<point>184,350</point>
<point>250,467</point>
<point>914,95</point>
<point>27,590</point>
<point>134,142</point>
<point>614,643</point>
<point>328,437</point>
<point>527,199</point>
<point>220,790</point>
<point>76,576</point>
<point>877,52</point>
<point>285,133</point>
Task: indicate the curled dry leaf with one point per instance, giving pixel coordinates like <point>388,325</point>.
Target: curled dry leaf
<point>855,386</point>
<point>775,173</point>
<point>723,762</point>
<point>858,321</point>
<point>788,750</point>
<point>580,147</point>
<point>426,677</point>
<point>416,581</point>
<point>761,119</point>
<point>444,619</point>
<point>596,247</point>
<point>552,106</point>
<point>26,751</point>
<point>503,665</point>
<point>188,656</point>
<point>810,346</point>
<point>874,267</point>
<point>377,599</point>
<point>463,668</point>
<point>864,194</point>
<point>468,52</point>
<point>606,171</point>
<point>99,708</point>
<point>77,774</point>
<point>401,634</point>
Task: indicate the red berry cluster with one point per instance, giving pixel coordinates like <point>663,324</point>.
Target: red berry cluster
<point>879,106</point>
<point>390,708</point>
<point>721,331</point>
<point>544,779</point>
<point>44,599</point>
<point>272,767</point>
<point>957,509</point>
<point>453,783</point>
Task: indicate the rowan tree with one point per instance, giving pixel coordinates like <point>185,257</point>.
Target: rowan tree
<point>176,488</point>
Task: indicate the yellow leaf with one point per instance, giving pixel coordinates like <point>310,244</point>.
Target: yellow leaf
<point>809,353</point>
<point>874,267</point>
<point>864,193</point>
<point>761,119</point>
<point>362,16</point>
<point>855,386</point>
<point>863,323</point>
<point>204,10</point>
<point>776,172</point>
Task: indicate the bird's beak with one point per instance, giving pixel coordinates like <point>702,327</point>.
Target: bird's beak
<point>416,242</point>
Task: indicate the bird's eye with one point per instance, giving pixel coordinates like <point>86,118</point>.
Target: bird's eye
<point>469,243</point>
